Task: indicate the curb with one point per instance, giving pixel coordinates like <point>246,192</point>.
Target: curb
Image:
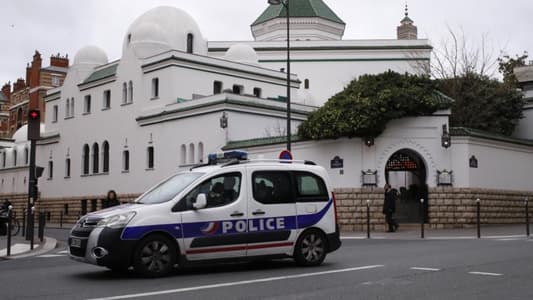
<point>47,245</point>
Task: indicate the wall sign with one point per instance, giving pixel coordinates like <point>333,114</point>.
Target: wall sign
<point>473,162</point>
<point>337,163</point>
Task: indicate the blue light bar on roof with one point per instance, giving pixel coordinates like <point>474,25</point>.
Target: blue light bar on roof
<point>215,158</point>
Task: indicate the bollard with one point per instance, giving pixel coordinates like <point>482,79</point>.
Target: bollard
<point>61,219</point>
<point>367,219</point>
<point>421,218</point>
<point>478,204</point>
<point>42,220</point>
<point>9,215</point>
<point>527,216</point>
<point>31,224</point>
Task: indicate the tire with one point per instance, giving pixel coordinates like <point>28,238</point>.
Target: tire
<point>310,249</point>
<point>155,256</point>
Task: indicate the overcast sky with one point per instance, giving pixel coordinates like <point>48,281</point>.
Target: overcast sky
<point>64,26</point>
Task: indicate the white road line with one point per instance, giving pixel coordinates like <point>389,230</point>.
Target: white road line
<point>244,282</point>
<point>50,255</point>
<point>485,273</point>
<point>362,238</point>
<point>425,269</point>
<point>503,236</point>
<point>510,239</point>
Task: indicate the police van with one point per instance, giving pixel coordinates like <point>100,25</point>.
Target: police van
<point>231,208</point>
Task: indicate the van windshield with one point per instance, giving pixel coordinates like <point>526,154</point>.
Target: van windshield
<point>168,189</point>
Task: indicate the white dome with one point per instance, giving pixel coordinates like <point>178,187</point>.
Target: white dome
<point>167,26</point>
<point>21,135</point>
<point>90,55</point>
<point>242,53</point>
<point>148,39</point>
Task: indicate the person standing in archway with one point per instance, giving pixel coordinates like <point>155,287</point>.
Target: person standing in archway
<point>389,207</point>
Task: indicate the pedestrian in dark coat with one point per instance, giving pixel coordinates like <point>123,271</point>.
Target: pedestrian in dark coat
<point>389,207</point>
<point>110,200</point>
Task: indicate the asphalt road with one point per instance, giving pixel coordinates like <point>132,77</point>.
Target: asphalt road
<point>361,269</point>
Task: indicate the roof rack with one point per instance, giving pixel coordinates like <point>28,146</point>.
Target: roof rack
<point>288,161</point>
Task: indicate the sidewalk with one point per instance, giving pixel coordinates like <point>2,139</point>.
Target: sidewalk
<point>413,231</point>
<point>20,247</point>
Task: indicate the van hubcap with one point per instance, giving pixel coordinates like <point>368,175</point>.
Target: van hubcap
<point>312,247</point>
<point>155,256</point>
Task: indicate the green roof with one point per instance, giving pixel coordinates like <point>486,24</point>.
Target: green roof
<point>260,142</point>
<point>299,9</point>
<point>102,73</point>
<point>463,131</point>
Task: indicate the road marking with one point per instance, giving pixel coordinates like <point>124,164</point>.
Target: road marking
<point>485,273</point>
<point>50,255</point>
<point>451,238</point>
<point>425,269</point>
<point>510,239</point>
<point>16,249</point>
<point>504,236</point>
<point>361,238</point>
<point>244,282</point>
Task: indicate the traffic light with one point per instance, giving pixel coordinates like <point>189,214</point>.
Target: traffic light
<point>34,124</point>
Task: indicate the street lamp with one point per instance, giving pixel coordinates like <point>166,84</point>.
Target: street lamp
<point>285,3</point>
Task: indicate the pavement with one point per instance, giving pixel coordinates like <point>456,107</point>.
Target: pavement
<point>20,247</point>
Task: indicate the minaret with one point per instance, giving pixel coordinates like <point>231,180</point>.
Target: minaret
<point>407,31</point>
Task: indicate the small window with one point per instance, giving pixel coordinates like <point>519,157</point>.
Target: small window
<point>310,188</point>
<point>272,187</point>
<point>87,104</point>
<point>67,167</point>
<point>257,92</point>
<point>105,168</point>
<point>55,112</point>
<point>183,153</point>
<point>72,107</point>
<point>306,84</point>
<point>55,81</point>
<point>155,88</point>
<point>26,156</point>
<point>190,42</point>
<point>14,158</point>
<point>217,87</point>
<point>237,89</point>
<point>191,153</point>
<point>50,169</point>
<point>219,191</point>
<point>67,108</point>
<point>130,92</point>
<point>150,152</point>
<point>126,160</point>
<point>3,159</point>
<point>124,93</point>
<point>96,158</point>
<point>200,152</point>
<point>107,99</point>
<point>85,159</point>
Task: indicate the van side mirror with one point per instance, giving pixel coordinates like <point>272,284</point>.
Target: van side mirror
<point>200,202</point>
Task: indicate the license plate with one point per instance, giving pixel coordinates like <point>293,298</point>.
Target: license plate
<point>75,243</point>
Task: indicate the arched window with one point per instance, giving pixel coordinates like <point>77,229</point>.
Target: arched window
<point>26,156</point>
<point>105,151</point>
<point>130,92</point>
<point>191,153</point>
<point>150,152</point>
<point>306,84</point>
<point>125,161</point>
<point>14,158</point>
<point>190,41</point>
<point>67,108</point>
<point>67,168</point>
<point>201,152</point>
<point>72,107</point>
<point>50,169</point>
<point>3,159</point>
<point>183,154</point>
<point>85,159</point>
<point>124,93</point>
<point>96,158</point>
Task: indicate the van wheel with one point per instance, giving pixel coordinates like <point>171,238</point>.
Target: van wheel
<point>310,248</point>
<point>155,256</point>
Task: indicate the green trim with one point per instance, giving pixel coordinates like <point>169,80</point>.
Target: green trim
<point>470,132</point>
<point>101,74</point>
<point>173,57</point>
<point>324,48</point>
<point>345,59</point>
<point>225,101</point>
<point>299,9</point>
<point>259,142</point>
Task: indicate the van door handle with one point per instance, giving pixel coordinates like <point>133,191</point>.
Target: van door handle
<point>237,214</point>
<point>258,212</point>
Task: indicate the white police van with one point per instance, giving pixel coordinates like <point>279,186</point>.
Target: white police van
<point>233,210</point>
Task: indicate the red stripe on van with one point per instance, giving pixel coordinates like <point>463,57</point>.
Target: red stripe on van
<point>238,248</point>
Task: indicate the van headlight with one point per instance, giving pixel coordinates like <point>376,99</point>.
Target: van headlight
<point>116,221</point>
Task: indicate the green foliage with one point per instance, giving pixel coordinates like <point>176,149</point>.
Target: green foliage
<point>483,103</point>
<point>367,104</point>
<point>506,65</point>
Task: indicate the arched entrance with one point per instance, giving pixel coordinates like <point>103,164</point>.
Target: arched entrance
<point>406,172</point>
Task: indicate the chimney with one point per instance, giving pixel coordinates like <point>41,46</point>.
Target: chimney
<point>28,72</point>
<point>59,61</point>
<point>35,70</point>
<point>19,85</point>
<point>6,89</point>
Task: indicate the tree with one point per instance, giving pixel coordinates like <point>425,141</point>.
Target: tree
<point>368,103</point>
<point>507,64</point>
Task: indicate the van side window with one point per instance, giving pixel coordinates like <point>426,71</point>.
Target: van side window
<point>272,187</point>
<point>310,188</point>
<point>219,191</point>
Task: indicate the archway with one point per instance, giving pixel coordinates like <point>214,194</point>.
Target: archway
<point>406,172</point>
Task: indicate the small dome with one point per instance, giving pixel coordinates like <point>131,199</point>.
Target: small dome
<point>165,25</point>
<point>21,135</point>
<point>90,55</point>
<point>242,53</point>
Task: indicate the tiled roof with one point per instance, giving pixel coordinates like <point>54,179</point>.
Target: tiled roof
<point>102,73</point>
<point>463,131</point>
<point>299,9</point>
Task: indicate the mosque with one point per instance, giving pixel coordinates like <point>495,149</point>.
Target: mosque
<point>173,97</point>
